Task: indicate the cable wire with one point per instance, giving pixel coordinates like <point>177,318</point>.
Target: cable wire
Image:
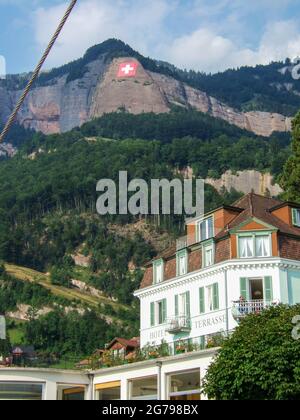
<point>37,71</point>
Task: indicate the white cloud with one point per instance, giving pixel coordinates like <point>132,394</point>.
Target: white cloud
<point>149,28</point>
<point>207,51</point>
<point>94,21</point>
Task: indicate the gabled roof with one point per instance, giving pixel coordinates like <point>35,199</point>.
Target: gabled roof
<point>133,343</point>
<point>259,207</point>
<point>250,207</point>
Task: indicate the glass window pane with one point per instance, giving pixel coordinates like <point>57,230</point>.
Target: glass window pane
<point>109,394</point>
<point>246,247</point>
<point>263,246</point>
<point>187,383</point>
<point>208,257</point>
<point>158,272</point>
<point>206,229</point>
<point>144,389</point>
<point>210,227</point>
<point>203,231</point>
<point>297,217</point>
<point>21,392</point>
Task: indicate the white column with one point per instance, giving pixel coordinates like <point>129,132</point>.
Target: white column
<point>50,392</point>
<point>124,390</point>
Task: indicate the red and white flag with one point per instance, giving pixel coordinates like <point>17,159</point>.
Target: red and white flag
<point>128,69</point>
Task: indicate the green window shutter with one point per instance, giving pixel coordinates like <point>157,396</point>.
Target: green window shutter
<point>202,300</point>
<point>164,311</point>
<point>188,304</point>
<point>268,289</point>
<point>176,305</point>
<point>152,312</point>
<point>216,296</point>
<point>244,288</point>
<point>202,342</point>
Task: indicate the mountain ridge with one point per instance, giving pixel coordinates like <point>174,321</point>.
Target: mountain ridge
<point>69,96</point>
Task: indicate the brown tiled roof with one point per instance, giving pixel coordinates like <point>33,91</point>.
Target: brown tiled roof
<point>250,206</point>
<point>167,253</point>
<point>259,207</point>
<point>133,343</point>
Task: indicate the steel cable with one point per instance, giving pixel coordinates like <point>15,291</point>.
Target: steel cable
<point>36,71</point>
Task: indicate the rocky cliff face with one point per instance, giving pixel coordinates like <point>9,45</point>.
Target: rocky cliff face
<point>246,182</point>
<point>61,105</point>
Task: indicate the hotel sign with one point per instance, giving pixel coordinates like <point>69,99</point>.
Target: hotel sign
<point>214,321</point>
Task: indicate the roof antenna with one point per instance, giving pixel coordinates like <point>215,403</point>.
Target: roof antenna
<point>37,70</point>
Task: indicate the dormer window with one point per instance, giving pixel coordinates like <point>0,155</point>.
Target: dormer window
<point>296,217</point>
<point>208,253</point>
<point>205,229</point>
<point>158,272</point>
<point>182,262</point>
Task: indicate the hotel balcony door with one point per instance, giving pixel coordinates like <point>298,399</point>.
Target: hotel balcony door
<point>256,288</point>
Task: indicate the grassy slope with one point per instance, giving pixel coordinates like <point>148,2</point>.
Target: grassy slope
<point>27,274</point>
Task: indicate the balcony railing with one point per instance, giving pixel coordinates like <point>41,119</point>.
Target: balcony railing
<point>243,308</point>
<point>178,324</point>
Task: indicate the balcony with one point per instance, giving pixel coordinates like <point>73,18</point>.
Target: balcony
<point>240,309</point>
<point>178,325</point>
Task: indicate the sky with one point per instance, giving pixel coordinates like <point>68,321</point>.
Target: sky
<point>204,35</point>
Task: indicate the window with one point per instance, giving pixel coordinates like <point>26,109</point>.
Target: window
<point>262,246</point>
<point>144,389</point>
<point>296,217</point>
<point>182,263</point>
<point>185,386</point>
<point>208,255</point>
<point>213,297</point>
<point>255,245</point>
<point>21,391</point>
<point>260,289</point>
<point>158,271</point>
<point>109,391</point>
<point>246,247</point>
<point>158,313</point>
<point>182,305</point>
<point>205,229</point>
<point>68,393</point>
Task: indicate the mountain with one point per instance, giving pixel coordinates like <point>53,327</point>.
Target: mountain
<point>164,126</point>
<point>256,99</point>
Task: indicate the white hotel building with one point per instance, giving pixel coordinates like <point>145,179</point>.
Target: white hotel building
<point>235,261</point>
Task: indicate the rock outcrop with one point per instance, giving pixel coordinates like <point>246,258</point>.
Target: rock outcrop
<point>62,105</point>
<point>245,182</point>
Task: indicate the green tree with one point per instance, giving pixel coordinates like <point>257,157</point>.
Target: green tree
<point>260,361</point>
<point>60,276</point>
<point>290,180</point>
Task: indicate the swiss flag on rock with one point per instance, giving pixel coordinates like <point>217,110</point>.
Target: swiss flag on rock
<point>128,69</point>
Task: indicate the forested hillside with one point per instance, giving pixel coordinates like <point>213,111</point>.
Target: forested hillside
<point>48,213</point>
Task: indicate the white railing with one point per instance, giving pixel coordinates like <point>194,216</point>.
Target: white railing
<point>178,324</point>
<point>243,308</point>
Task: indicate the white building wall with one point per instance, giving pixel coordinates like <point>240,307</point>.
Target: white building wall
<point>227,275</point>
<point>50,379</point>
<point>163,367</point>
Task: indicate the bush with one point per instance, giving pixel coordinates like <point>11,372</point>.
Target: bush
<point>260,361</point>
